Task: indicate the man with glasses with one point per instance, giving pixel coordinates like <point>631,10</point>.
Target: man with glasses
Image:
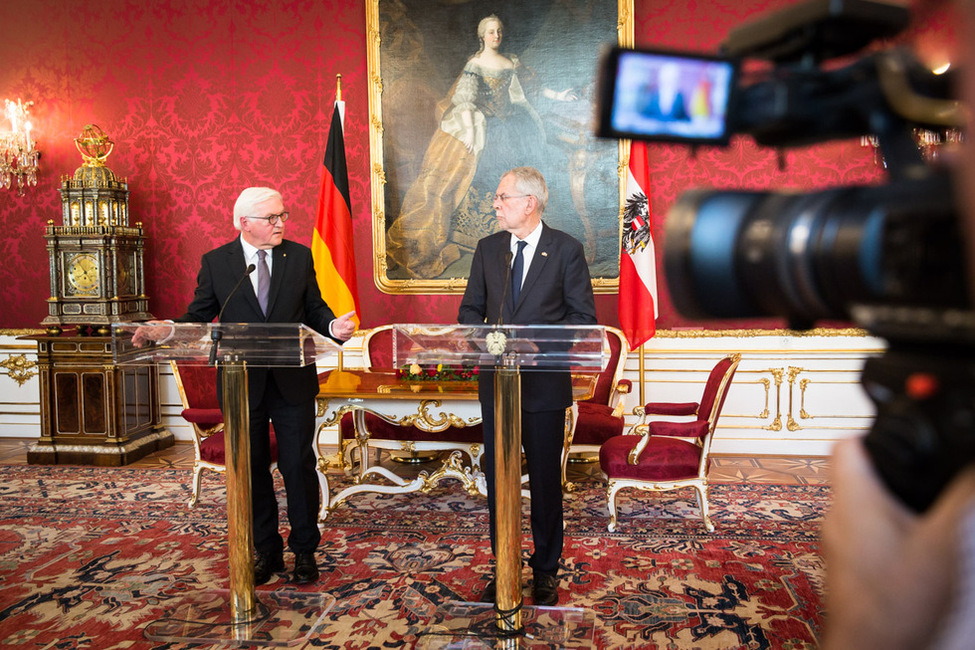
<point>282,289</point>
<point>530,274</point>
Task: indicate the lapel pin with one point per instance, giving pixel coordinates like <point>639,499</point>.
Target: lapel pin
<point>544,254</point>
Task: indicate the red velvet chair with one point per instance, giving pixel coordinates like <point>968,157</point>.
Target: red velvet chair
<point>599,418</point>
<point>669,455</point>
<point>197,385</point>
<point>411,440</point>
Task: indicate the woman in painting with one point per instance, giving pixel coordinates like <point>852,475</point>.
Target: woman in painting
<point>487,127</point>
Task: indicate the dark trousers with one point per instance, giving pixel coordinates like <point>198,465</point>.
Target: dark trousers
<point>542,435</point>
<point>294,427</point>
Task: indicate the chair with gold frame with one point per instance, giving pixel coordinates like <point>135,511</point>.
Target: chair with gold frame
<point>597,419</point>
<point>665,455</point>
<point>197,385</point>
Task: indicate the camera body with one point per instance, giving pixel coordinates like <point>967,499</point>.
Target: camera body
<point>888,257</point>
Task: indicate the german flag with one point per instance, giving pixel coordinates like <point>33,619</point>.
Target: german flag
<point>331,244</point>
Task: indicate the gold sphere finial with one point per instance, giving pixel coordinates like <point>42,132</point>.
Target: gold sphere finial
<point>95,146</point>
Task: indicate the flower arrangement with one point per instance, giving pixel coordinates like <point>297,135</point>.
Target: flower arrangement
<point>438,372</point>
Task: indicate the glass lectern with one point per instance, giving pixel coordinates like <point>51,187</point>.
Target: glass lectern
<point>235,616</point>
<point>509,350</point>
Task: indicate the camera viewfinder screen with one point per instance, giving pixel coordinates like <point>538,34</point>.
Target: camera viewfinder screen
<point>671,97</point>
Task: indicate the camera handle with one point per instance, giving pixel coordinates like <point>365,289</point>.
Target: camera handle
<point>924,433</point>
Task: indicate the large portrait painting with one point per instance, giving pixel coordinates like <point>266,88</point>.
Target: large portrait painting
<point>460,92</point>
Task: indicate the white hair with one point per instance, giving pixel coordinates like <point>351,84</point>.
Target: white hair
<point>530,181</point>
<point>248,199</point>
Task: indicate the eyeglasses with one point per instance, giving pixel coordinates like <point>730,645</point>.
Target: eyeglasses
<point>504,197</point>
<point>273,218</point>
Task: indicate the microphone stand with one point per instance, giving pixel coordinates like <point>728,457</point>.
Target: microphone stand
<point>215,334</point>
<point>496,340</point>
<point>507,284</point>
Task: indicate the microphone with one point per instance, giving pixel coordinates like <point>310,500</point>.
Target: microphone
<point>496,341</point>
<point>216,334</point>
<point>507,283</point>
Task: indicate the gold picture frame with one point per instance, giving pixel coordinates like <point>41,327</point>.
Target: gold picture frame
<point>417,53</point>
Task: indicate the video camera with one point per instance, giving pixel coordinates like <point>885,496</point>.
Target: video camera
<point>888,257</point>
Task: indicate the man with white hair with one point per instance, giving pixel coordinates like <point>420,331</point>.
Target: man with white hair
<point>282,289</point>
<point>530,274</point>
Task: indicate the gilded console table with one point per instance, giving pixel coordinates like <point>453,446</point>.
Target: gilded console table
<point>432,406</point>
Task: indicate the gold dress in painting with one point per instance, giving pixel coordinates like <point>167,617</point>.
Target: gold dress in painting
<point>448,206</point>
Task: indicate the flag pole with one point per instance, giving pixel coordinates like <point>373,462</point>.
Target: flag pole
<point>643,397</point>
<point>338,98</point>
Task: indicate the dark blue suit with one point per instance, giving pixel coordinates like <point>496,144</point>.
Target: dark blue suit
<point>284,396</point>
<point>557,290</point>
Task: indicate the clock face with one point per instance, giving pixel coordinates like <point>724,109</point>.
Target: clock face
<point>82,273</point>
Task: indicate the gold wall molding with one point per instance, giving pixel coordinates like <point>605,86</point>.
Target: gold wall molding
<point>777,374</point>
<point>754,333</point>
<point>791,423</point>
<point>21,332</point>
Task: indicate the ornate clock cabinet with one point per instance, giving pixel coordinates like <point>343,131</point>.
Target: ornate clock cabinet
<point>91,411</point>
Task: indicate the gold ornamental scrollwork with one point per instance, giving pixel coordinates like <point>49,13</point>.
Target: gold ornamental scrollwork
<point>793,374</point>
<point>452,467</point>
<point>19,368</point>
<point>767,384</point>
<point>791,423</point>
<point>802,399</point>
<point>777,374</point>
<point>323,409</point>
<point>423,419</point>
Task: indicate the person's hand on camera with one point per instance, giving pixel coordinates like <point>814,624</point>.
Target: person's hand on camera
<point>891,572</point>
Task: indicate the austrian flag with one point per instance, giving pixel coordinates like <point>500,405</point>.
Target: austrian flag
<point>638,270</point>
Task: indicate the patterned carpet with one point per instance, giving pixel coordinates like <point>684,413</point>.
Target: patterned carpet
<point>89,556</point>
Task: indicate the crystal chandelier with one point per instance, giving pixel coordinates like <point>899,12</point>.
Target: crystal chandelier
<point>18,154</point>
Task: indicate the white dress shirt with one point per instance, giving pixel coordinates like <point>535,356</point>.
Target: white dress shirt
<point>250,257</point>
<point>529,252</point>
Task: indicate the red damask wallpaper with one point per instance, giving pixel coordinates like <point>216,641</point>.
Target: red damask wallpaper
<point>205,97</point>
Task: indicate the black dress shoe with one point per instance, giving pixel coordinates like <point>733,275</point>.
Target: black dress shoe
<point>490,592</point>
<point>306,568</point>
<point>265,565</point>
<point>545,590</point>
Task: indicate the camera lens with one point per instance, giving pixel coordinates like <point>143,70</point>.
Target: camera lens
<point>807,257</point>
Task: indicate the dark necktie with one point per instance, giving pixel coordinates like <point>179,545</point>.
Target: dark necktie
<point>518,270</point>
<point>263,280</point>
